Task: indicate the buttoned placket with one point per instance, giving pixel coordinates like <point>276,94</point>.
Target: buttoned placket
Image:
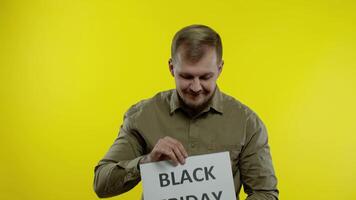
<point>193,135</point>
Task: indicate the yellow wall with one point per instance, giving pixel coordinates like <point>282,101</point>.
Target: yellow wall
<point>70,69</point>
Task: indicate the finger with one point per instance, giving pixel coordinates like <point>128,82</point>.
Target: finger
<point>182,149</point>
<point>179,145</point>
<point>179,155</point>
<point>169,147</point>
<point>156,152</point>
<point>171,155</point>
<point>175,148</point>
<point>165,150</point>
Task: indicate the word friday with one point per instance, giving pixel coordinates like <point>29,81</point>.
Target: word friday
<point>204,196</point>
<point>198,174</point>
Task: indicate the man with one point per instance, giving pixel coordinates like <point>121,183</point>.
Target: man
<point>195,118</point>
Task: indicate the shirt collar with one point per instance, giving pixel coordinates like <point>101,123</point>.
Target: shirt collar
<point>215,103</point>
<point>174,102</point>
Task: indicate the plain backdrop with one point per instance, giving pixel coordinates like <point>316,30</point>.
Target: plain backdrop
<point>69,70</point>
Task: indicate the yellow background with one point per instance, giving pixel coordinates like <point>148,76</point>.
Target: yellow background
<point>70,69</point>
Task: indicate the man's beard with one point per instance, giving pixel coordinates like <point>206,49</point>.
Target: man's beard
<point>194,109</point>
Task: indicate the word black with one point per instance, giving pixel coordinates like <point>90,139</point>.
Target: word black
<point>198,174</point>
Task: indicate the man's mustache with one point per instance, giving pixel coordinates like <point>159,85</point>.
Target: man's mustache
<point>195,93</point>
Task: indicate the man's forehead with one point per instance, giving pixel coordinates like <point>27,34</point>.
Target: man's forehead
<point>192,56</point>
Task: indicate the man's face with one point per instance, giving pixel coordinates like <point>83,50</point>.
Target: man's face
<point>196,82</point>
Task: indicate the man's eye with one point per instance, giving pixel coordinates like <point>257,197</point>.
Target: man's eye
<point>186,77</point>
<point>205,77</point>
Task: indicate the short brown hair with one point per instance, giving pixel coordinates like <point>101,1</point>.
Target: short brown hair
<point>195,38</point>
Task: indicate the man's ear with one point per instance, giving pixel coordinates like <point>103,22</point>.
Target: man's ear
<point>171,67</point>
<point>220,67</point>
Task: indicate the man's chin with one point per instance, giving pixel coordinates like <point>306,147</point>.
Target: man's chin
<point>195,105</point>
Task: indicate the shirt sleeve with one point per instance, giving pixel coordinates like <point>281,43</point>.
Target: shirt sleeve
<point>118,171</point>
<point>257,173</point>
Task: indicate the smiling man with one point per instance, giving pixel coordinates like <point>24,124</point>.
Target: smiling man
<point>195,68</point>
<point>195,118</point>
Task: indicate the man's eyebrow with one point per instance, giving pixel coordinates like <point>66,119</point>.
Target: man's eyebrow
<point>188,74</point>
<point>208,74</point>
<point>185,74</point>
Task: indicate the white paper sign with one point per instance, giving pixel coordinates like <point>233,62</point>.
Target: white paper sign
<point>203,177</point>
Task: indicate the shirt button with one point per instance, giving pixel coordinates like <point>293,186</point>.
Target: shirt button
<point>192,145</point>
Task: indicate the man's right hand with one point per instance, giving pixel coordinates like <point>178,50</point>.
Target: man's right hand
<point>167,148</point>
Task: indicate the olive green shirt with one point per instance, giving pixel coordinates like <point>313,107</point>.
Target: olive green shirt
<point>224,125</point>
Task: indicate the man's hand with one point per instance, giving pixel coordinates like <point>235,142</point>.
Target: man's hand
<point>166,148</point>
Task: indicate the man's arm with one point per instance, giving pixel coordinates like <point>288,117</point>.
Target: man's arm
<point>118,171</point>
<point>257,173</point>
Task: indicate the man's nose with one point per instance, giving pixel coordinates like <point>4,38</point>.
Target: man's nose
<point>195,85</point>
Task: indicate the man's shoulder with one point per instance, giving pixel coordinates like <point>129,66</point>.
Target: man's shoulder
<point>158,102</point>
<point>231,104</point>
